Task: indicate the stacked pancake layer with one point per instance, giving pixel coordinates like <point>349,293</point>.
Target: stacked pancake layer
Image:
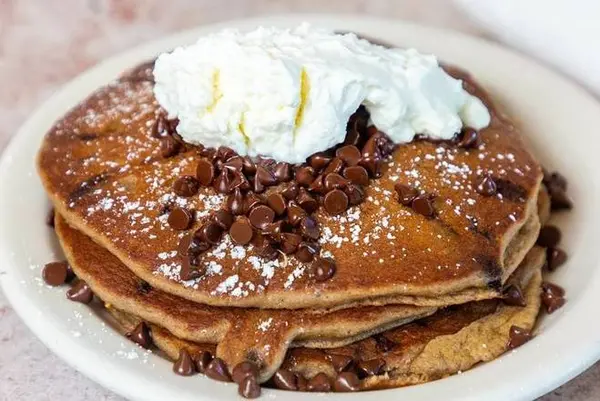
<point>411,297</point>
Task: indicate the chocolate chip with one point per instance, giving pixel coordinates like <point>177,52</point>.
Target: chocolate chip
<point>50,218</point>
<point>55,273</point>
<point>217,370</point>
<point>355,193</point>
<point>555,180</point>
<point>319,383</point>
<point>169,147</point>
<point>306,201</point>
<point>510,190</point>
<point>257,186</point>
<point>172,127</point>
<point>486,186</point>
<point>234,163</point>
<point>349,154</point>
<point>549,236</point>
<point>285,380</point>
<point>267,251</point>
<point>556,257</point>
<point>559,200</point>
<point>357,174</point>
<point>305,176</point>
<point>346,382</point>
<point>371,149</point>
<point>197,245</point>
<point>340,362</point>
<point>241,232</point>
<point>239,181</point>
<point>334,181</point>
<point>290,190</point>
<point>258,239</point>
<point>275,230</point>
<point>248,167</point>
<point>372,165</point>
<point>335,202</point>
<point>553,296</point>
<point>141,335</point>
<point>469,138</point>
<point>210,232</point>
<point>184,365</point>
<point>302,383</point>
<point>186,186</point>
<point>405,193</point>
<point>224,153</point>
<point>513,296</point>
<point>335,166</point>
<point>251,200</point>
<point>372,367</point>
<point>318,185</point>
<point>223,218</point>
<point>185,243</point>
<point>307,251</point>
<point>295,213</point>
<point>422,205</point>
<point>282,172</point>
<point>249,388</point>
<point>323,269</point>
<point>518,336</point>
<point>223,182</point>
<point>260,216</point>
<point>203,360</point>
<point>243,370</point>
<point>277,202</point>
<point>319,160</point>
<point>80,292</point>
<point>235,202</point>
<point>265,177</point>
<point>180,219</point>
<point>309,228</point>
<point>190,269</point>
<point>290,242</point>
<point>160,129</point>
<point>352,137</point>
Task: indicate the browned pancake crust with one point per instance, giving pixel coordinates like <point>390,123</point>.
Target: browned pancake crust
<point>452,340</point>
<point>267,334</point>
<point>102,169</point>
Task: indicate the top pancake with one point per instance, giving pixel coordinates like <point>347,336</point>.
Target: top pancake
<point>103,170</point>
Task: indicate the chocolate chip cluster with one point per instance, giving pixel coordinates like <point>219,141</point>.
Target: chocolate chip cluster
<point>271,204</point>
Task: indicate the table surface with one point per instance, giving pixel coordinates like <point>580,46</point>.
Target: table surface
<point>44,43</point>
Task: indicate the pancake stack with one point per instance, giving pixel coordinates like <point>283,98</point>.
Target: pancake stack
<point>369,266</point>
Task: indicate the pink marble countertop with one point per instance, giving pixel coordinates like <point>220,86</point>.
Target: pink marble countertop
<point>44,43</point>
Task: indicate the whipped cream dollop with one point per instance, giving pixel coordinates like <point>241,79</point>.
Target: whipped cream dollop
<point>288,93</point>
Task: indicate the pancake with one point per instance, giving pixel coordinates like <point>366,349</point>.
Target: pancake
<point>452,340</point>
<point>103,170</point>
<point>267,334</point>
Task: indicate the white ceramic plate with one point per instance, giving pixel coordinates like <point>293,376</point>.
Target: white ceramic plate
<point>560,120</point>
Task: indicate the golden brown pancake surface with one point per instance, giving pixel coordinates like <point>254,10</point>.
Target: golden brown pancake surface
<point>103,170</point>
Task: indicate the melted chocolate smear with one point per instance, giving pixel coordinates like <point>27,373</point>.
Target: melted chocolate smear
<point>86,187</point>
<point>143,287</point>
<point>383,343</point>
<point>492,271</point>
<point>474,227</point>
<point>86,137</point>
<point>511,191</point>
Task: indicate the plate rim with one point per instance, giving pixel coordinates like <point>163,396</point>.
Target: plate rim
<point>57,340</point>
